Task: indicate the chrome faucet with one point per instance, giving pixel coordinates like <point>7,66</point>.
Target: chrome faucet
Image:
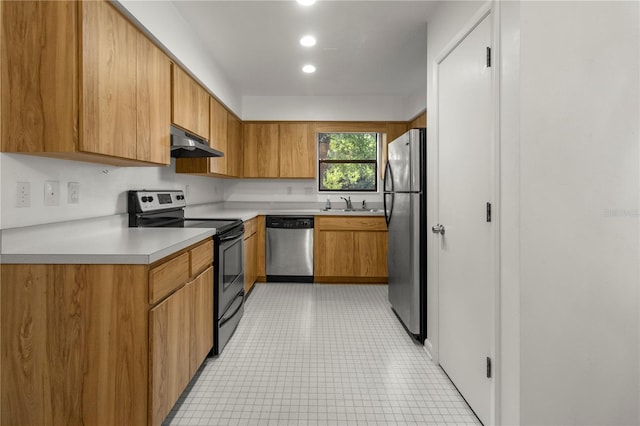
<point>348,201</point>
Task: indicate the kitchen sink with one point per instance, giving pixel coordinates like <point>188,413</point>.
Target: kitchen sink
<point>352,210</point>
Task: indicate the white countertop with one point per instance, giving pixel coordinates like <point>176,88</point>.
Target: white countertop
<point>109,240</point>
<point>96,241</point>
<point>246,211</point>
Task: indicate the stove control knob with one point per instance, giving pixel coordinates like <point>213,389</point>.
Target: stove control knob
<point>150,198</point>
<point>145,199</point>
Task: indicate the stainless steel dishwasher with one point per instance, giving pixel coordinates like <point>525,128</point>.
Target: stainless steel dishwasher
<point>289,247</point>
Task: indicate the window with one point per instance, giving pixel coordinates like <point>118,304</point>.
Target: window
<point>348,161</point>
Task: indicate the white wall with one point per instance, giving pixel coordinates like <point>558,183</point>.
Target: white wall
<point>579,189</point>
<point>289,191</point>
<point>331,108</point>
<point>569,202</point>
<point>508,352</point>
<point>102,188</point>
<point>166,24</point>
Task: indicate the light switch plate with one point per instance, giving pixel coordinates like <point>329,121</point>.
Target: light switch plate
<point>23,194</point>
<point>52,193</point>
<point>73,192</point>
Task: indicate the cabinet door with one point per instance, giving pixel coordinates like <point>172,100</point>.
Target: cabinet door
<point>200,293</point>
<point>108,95</point>
<point>39,75</point>
<point>234,146</point>
<point>261,268</point>
<point>153,104</point>
<point>169,359</point>
<point>261,150</point>
<point>394,130</point>
<point>190,103</point>
<point>333,254</point>
<point>297,150</point>
<point>370,250</point>
<point>218,139</point>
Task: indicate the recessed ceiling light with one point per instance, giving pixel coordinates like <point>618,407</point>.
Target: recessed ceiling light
<point>309,69</point>
<point>306,2</point>
<point>308,41</point>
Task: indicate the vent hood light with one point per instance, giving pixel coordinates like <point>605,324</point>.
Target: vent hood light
<point>308,41</point>
<point>306,2</point>
<point>309,69</point>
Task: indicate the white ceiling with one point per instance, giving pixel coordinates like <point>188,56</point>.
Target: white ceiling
<point>364,47</point>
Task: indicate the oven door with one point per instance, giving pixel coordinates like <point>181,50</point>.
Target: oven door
<point>230,270</point>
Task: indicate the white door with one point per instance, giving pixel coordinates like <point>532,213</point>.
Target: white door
<point>465,287</point>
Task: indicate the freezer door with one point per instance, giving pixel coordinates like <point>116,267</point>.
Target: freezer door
<point>404,260</point>
<point>404,168</point>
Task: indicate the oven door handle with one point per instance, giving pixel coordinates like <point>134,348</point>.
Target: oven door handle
<point>229,237</point>
<point>159,222</point>
<point>224,320</point>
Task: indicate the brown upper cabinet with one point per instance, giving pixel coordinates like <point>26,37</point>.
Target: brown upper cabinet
<point>297,150</point>
<point>154,103</point>
<point>234,151</point>
<point>284,150</point>
<point>394,130</point>
<point>190,103</point>
<point>420,121</point>
<point>218,139</point>
<point>95,88</point>
<point>261,149</point>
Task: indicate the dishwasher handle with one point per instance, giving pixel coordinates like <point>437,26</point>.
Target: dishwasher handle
<point>289,222</point>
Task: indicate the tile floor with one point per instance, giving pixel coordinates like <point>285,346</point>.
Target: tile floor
<point>309,354</point>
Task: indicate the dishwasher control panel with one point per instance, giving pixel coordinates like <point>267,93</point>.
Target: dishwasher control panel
<point>290,222</point>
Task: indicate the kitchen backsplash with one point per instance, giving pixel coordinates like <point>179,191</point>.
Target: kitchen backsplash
<point>288,190</point>
<point>101,188</point>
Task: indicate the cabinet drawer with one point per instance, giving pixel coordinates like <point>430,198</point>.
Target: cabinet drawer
<point>249,227</point>
<point>165,278</point>
<point>349,223</point>
<point>201,257</point>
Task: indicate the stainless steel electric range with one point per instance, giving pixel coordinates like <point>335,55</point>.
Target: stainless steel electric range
<point>166,209</point>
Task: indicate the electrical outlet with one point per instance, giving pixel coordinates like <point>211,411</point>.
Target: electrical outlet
<point>23,194</point>
<point>289,190</point>
<point>73,192</point>
<point>52,193</point>
<point>308,190</point>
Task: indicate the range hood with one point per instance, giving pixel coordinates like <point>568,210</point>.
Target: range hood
<point>187,145</point>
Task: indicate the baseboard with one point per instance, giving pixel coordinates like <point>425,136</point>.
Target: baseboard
<point>428,347</point>
<point>350,280</point>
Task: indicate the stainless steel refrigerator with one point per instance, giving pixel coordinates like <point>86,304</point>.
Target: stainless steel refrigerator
<point>405,206</point>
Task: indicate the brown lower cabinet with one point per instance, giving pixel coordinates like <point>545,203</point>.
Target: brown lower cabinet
<point>103,344</point>
<point>254,255</point>
<point>350,249</point>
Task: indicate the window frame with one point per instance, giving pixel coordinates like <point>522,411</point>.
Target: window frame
<point>319,163</point>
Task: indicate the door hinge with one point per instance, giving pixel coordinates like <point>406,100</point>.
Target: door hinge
<point>488,368</point>
<point>488,212</point>
<point>488,57</point>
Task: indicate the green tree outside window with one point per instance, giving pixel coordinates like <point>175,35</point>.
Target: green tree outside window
<point>348,161</point>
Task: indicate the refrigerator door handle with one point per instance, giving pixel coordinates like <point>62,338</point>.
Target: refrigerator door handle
<point>388,177</point>
<point>388,211</point>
